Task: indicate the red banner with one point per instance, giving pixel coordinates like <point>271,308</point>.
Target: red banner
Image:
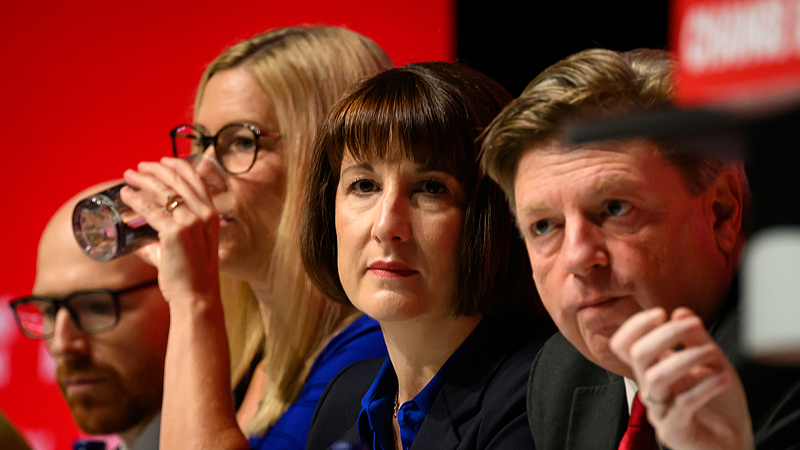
<point>736,51</point>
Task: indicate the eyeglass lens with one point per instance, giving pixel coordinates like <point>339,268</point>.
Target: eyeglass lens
<point>95,312</point>
<point>235,148</point>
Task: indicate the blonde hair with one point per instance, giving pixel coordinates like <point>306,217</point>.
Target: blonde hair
<point>303,70</point>
<point>593,82</point>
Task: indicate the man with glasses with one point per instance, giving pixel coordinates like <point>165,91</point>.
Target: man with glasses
<point>106,326</point>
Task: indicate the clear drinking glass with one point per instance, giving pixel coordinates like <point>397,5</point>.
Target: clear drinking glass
<point>106,228</point>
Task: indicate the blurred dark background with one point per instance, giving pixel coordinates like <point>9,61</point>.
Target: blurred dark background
<point>512,41</point>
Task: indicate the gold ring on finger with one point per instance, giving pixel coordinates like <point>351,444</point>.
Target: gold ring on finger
<point>172,203</point>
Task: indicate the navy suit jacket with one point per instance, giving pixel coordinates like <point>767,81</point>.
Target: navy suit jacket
<point>574,404</point>
<point>481,404</point>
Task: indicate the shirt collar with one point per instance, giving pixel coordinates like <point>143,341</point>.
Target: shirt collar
<point>377,405</point>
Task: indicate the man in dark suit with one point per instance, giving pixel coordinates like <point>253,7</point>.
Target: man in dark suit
<point>635,250</point>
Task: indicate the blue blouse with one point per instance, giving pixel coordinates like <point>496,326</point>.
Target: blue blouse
<point>362,339</point>
<point>377,406</point>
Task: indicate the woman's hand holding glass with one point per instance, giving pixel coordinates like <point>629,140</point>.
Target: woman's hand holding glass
<point>178,201</point>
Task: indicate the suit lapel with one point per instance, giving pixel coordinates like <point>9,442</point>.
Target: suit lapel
<point>352,434</point>
<point>438,428</point>
<point>460,397</point>
<point>457,402</point>
<point>598,417</point>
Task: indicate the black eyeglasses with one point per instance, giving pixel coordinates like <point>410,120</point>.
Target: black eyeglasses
<point>92,311</point>
<point>235,145</point>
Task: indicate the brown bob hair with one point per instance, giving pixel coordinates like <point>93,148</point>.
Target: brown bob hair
<point>432,114</point>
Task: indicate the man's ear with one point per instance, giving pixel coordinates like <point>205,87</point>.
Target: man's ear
<point>725,201</point>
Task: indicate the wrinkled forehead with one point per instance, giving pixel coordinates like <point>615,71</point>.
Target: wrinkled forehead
<point>639,146</point>
<point>604,166</point>
<point>635,149</point>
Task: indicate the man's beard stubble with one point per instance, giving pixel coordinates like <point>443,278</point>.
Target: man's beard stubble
<point>110,407</point>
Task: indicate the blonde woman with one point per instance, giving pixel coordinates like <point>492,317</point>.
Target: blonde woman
<point>258,108</point>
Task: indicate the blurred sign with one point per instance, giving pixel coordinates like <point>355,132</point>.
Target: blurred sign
<point>745,55</point>
<point>744,52</point>
<point>770,287</point>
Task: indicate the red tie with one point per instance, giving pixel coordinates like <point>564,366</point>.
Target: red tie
<point>640,434</point>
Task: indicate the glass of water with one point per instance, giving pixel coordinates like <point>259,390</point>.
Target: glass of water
<point>106,228</point>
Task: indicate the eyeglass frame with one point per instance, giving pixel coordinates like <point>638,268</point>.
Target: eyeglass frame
<point>64,302</point>
<point>206,140</point>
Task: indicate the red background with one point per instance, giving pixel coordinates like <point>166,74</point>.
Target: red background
<point>90,89</point>
<point>751,80</point>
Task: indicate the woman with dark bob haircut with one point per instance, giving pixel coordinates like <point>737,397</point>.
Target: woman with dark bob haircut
<point>401,223</point>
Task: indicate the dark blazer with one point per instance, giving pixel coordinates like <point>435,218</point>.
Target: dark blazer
<point>574,404</point>
<point>481,404</point>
